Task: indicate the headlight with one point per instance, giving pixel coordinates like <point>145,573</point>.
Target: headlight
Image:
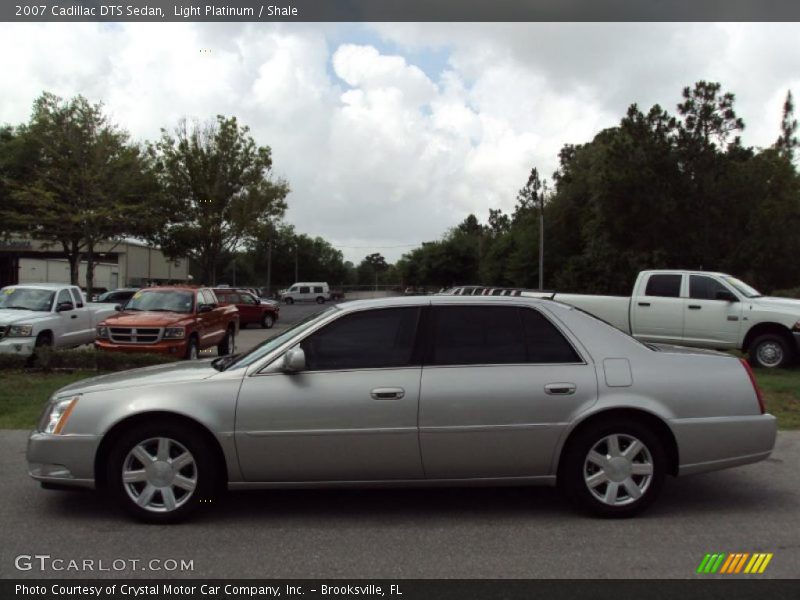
<point>102,332</point>
<point>175,333</point>
<point>55,418</point>
<point>20,331</point>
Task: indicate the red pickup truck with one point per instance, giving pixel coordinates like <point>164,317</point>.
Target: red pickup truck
<point>170,320</point>
<point>251,308</point>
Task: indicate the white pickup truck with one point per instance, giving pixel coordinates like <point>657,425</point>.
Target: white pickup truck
<point>701,309</point>
<point>47,314</point>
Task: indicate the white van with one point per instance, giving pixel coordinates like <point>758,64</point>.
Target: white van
<point>308,291</point>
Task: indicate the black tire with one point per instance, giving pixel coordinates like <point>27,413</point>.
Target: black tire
<point>203,472</point>
<point>228,343</point>
<point>320,300</point>
<point>770,351</point>
<point>289,300</point>
<point>576,467</point>
<point>192,349</point>
<point>267,321</point>
<point>44,340</point>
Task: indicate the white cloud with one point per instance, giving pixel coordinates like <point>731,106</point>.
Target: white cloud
<point>380,147</point>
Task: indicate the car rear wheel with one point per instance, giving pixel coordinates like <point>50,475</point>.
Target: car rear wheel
<point>267,321</point>
<point>227,344</point>
<point>192,349</point>
<point>613,468</point>
<point>770,351</point>
<point>161,473</point>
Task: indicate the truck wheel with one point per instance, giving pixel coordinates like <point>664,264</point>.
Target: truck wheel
<point>268,321</point>
<point>44,340</point>
<point>320,300</point>
<point>192,349</point>
<point>613,468</point>
<point>227,344</point>
<point>161,472</point>
<point>770,351</point>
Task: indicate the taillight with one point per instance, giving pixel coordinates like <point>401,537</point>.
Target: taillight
<point>752,377</point>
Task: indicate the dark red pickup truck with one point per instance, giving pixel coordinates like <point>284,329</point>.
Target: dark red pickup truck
<point>170,320</point>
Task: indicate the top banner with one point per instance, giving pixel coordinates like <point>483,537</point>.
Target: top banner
<point>402,10</point>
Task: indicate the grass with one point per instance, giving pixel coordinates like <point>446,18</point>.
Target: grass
<point>781,390</point>
<point>22,395</point>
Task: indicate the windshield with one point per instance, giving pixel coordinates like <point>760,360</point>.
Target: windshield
<point>741,287</point>
<point>270,344</point>
<point>26,299</point>
<point>161,300</point>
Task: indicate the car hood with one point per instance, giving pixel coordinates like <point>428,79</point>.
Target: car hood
<point>145,319</point>
<point>775,303</point>
<point>181,372</point>
<point>8,316</point>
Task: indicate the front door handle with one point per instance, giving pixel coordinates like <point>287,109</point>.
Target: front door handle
<point>387,393</point>
<point>695,307</point>
<point>560,389</point>
<point>74,317</point>
<point>644,304</point>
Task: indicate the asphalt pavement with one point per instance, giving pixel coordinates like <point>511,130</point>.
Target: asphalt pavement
<point>426,533</point>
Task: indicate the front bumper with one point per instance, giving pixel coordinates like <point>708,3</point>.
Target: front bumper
<point>170,347</point>
<point>21,346</point>
<point>713,443</point>
<point>66,460</point>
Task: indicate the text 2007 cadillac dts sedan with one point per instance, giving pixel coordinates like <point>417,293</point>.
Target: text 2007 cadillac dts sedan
<point>411,391</point>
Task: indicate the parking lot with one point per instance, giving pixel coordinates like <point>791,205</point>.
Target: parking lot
<point>467,532</point>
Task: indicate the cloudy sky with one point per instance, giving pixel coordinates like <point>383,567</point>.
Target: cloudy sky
<point>390,134</point>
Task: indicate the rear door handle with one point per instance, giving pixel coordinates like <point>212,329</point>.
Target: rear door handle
<point>644,304</point>
<point>695,307</point>
<point>560,389</point>
<point>387,393</point>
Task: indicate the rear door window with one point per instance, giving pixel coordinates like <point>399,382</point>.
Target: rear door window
<point>318,289</point>
<point>664,285</point>
<point>477,335</point>
<point>305,290</point>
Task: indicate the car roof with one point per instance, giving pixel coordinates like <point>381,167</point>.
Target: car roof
<point>401,301</point>
<point>171,288</point>
<point>43,286</point>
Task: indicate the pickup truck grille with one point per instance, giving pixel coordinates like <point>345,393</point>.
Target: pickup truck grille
<point>135,335</point>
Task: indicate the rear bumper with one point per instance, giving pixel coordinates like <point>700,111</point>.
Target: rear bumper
<point>170,347</point>
<point>710,444</point>
<point>64,460</point>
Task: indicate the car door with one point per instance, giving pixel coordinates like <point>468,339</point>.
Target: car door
<point>657,315</point>
<point>351,415</point>
<point>216,318</point>
<point>499,386</point>
<point>708,321</point>
<point>249,309</point>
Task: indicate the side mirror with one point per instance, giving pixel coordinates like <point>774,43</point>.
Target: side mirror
<point>118,308</point>
<point>65,306</point>
<point>727,296</point>
<point>294,360</point>
<point>203,308</point>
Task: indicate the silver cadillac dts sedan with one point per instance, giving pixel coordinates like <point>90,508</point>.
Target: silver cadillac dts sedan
<point>411,391</point>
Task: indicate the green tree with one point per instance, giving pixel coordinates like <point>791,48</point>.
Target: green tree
<point>76,180</point>
<point>219,188</point>
<point>787,142</point>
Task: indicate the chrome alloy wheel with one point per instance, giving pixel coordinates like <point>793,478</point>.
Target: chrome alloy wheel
<point>159,474</point>
<point>618,470</point>
<point>770,354</point>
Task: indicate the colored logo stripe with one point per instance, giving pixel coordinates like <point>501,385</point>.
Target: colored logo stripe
<point>734,563</point>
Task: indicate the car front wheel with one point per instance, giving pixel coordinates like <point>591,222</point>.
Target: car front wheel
<point>268,321</point>
<point>770,351</point>
<point>160,473</point>
<point>227,344</point>
<point>613,469</point>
